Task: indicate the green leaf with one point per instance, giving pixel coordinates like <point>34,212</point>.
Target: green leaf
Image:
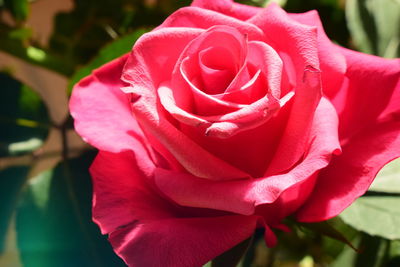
<point>394,254</point>
<point>332,248</point>
<point>233,256</point>
<point>40,188</point>
<point>374,252</point>
<point>388,179</point>
<point>24,120</point>
<point>18,8</point>
<point>331,13</point>
<point>11,182</point>
<point>375,26</point>
<point>91,24</point>
<point>111,51</point>
<point>36,54</point>
<point>54,225</point>
<point>326,229</point>
<point>16,47</point>
<point>375,215</point>
<point>346,258</point>
<point>264,3</point>
<point>20,33</point>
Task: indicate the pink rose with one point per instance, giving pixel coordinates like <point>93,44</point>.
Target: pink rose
<point>226,118</point>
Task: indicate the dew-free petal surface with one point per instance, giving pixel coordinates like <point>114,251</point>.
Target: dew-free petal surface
<point>349,175</point>
<point>189,242</point>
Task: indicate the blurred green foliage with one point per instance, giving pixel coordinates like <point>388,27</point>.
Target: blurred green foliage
<point>109,52</point>
<point>18,8</point>
<point>375,26</point>
<point>11,183</point>
<point>52,208</point>
<point>23,117</point>
<point>54,223</point>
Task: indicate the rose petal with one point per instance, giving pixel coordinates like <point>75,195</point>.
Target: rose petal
<point>189,242</point>
<point>228,7</point>
<point>145,229</point>
<point>245,12</point>
<point>265,67</point>
<point>252,157</point>
<point>120,193</point>
<point>102,113</point>
<point>333,63</point>
<point>349,175</point>
<point>288,202</point>
<point>154,52</point>
<point>296,135</point>
<point>87,99</point>
<point>393,107</point>
<point>243,196</point>
<point>227,125</point>
<point>245,89</point>
<point>217,69</point>
<point>248,116</point>
<point>200,18</point>
<point>371,83</point>
<point>263,57</point>
<point>202,103</point>
<point>188,68</point>
<point>255,156</point>
<point>280,30</point>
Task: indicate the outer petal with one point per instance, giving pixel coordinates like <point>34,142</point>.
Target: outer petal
<point>103,114</point>
<point>189,242</point>
<point>371,83</point>
<point>288,202</point>
<point>121,195</point>
<point>349,175</point>
<point>333,63</point>
<point>87,108</point>
<point>147,230</point>
<point>393,107</point>
<point>228,7</point>
<point>194,17</point>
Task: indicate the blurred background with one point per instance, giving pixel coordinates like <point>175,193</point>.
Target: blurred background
<point>46,46</point>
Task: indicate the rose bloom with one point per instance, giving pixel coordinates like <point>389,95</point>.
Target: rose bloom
<point>227,118</point>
